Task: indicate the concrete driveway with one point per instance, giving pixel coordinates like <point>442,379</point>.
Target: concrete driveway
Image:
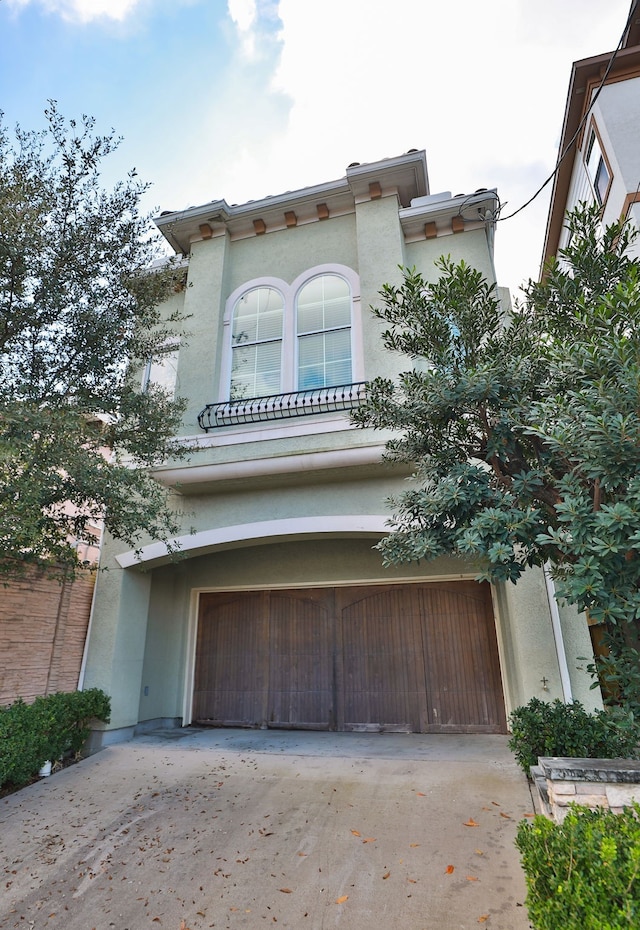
<point>249,829</point>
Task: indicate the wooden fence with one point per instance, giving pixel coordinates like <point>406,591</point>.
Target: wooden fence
<point>43,627</point>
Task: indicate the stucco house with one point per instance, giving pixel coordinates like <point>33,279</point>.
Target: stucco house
<point>279,612</point>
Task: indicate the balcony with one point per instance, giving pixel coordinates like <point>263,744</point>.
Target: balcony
<point>282,406</point>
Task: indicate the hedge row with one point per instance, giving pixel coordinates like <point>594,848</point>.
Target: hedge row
<point>48,729</point>
<point>583,874</point>
<point>557,729</point>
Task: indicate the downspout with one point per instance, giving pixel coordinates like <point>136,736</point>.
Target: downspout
<point>565,680</point>
<point>85,651</point>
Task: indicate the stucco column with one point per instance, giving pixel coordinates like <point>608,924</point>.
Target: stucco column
<point>116,644</point>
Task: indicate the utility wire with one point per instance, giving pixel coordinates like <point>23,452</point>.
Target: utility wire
<point>571,142</point>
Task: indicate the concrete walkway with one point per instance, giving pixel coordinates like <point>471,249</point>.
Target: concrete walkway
<point>249,829</point>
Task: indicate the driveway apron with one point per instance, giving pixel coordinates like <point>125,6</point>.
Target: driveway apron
<point>192,829</point>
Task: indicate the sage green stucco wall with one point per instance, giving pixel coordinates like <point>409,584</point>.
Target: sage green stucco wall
<point>528,644</point>
<point>204,306</point>
<point>117,638</point>
<point>470,246</point>
<point>287,253</point>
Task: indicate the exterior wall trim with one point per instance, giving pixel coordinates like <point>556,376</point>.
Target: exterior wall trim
<point>332,525</point>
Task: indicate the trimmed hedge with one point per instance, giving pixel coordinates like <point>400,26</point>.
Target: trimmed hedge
<point>32,734</point>
<point>540,728</point>
<point>583,874</point>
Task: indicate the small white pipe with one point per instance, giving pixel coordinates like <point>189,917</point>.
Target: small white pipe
<point>565,680</point>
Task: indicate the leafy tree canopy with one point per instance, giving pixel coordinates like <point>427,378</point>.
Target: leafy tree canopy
<point>79,312</point>
<point>524,428</point>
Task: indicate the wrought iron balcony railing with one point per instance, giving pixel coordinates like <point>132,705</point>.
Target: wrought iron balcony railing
<point>282,406</point>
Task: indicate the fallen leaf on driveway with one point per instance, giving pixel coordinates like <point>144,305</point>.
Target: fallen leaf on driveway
<point>479,852</point>
<point>506,816</point>
<point>286,891</point>
<point>413,845</point>
<point>449,869</point>
<point>356,833</point>
<point>303,854</point>
<point>482,919</point>
<point>342,899</point>
<point>386,875</point>
<point>471,878</point>
<point>421,794</point>
<point>370,839</point>
<point>470,823</point>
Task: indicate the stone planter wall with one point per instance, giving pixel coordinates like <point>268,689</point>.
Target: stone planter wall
<point>609,783</point>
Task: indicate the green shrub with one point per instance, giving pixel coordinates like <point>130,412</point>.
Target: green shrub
<point>32,734</point>
<point>540,728</point>
<point>582,874</point>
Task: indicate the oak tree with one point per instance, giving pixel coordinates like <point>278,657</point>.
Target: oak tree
<point>80,316</point>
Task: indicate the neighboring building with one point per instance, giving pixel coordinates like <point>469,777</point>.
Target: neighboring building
<point>601,138</point>
<point>279,612</point>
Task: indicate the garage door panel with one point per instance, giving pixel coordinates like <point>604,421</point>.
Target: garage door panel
<point>230,674</point>
<point>300,659</point>
<point>461,659</point>
<point>381,661</point>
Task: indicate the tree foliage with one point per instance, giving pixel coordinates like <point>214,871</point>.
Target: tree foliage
<point>79,314</point>
<point>524,428</point>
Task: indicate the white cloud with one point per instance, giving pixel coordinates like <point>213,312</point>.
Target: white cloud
<point>83,10</point>
<point>243,13</point>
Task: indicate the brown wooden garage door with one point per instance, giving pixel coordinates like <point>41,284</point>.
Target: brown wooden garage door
<point>417,657</point>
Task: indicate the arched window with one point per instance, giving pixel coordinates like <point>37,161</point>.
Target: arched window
<point>256,343</point>
<point>323,331</point>
<point>283,338</point>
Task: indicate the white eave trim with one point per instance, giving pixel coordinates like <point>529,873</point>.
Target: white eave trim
<point>280,465</point>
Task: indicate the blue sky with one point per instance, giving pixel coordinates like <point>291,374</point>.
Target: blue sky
<point>238,99</point>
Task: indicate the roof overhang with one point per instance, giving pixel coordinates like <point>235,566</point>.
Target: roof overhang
<point>405,176</point>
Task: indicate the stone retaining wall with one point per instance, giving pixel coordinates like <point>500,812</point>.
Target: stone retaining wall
<point>609,783</point>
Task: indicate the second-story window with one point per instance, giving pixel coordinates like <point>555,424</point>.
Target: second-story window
<point>256,343</point>
<point>323,321</point>
<point>288,337</point>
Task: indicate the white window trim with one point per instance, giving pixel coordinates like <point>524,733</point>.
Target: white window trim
<point>289,293</point>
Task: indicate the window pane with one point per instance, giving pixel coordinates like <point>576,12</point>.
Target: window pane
<point>255,370</point>
<point>257,316</point>
<point>602,180</point>
<point>324,303</point>
<point>324,359</point>
<point>163,373</point>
